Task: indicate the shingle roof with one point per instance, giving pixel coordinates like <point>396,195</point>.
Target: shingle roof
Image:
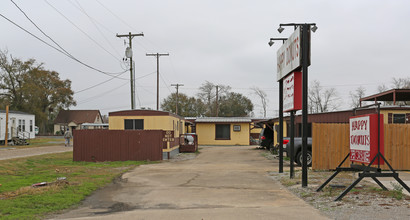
<point>76,116</point>
<point>16,112</point>
<point>224,119</point>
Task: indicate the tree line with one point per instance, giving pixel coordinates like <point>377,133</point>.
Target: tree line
<point>28,87</point>
<point>212,100</point>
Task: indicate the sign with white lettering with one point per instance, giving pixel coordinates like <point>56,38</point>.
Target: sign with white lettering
<point>364,138</point>
<point>289,55</point>
<point>292,92</point>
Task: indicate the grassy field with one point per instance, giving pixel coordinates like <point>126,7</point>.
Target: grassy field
<point>19,200</point>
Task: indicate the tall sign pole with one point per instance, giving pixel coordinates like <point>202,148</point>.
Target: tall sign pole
<point>157,55</point>
<point>129,55</point>
<point>293,56</point>
<point>305,64</point>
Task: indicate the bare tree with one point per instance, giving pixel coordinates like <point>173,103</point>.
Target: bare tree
<point>356,96</point>
<point>322,100</point>
<point>262,95</point>
<point>401,83</point>
<point>208,96</point>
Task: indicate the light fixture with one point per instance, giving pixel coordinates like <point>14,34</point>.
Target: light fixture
<point>314,28</point>
<point>271,42</point>
<point>280,29</point>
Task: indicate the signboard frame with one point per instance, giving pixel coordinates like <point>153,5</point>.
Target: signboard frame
<point>292,92</point>
<point>289,55</point>
<point>363,138</point>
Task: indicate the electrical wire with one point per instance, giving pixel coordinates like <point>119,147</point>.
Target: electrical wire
<point>100,95</point>
<point>93,21</point>
<point>59,50</point>
<point>89,37</point>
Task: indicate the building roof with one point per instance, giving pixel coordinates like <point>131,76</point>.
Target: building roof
<point>223,119</point>
<point>76,116</point>
<point>143,112</point>
<point>393,95</point>
<point>15,112</point>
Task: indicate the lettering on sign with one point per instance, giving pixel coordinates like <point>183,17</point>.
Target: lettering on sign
<point>289,55</point>
<point>363,138</point>
<point>292,92</point>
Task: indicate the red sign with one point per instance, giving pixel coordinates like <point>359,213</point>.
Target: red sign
<point>364,137</point>
<point>292,92</point>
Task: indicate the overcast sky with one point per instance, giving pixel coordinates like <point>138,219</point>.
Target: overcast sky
<point>221,41</point>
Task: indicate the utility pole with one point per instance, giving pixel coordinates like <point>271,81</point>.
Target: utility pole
<point>176,105</point>
<point>157,55</point>
<point>6,136</point>
<point>217,99</point>
<point>128,54</point>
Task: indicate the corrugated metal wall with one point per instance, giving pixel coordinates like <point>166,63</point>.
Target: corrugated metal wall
<point>117,145</point>
<point>331,144</point>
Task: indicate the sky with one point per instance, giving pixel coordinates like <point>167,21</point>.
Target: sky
<point>224,42</point>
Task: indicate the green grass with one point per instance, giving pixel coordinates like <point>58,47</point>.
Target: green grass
<point>18,200</point>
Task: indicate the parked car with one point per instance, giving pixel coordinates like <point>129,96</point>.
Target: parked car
<point>298,150</point>
<point>266,138</point>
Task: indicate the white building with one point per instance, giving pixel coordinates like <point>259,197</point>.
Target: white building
<point>20,125</point>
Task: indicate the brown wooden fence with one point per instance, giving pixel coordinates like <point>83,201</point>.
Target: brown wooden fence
<point>331,144</point>
<point>117,145</point>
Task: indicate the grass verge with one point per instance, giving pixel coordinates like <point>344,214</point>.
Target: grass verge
<point>19,200</point>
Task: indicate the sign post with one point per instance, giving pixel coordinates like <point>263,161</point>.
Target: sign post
<point>366,147</point>
<point>295,55</point>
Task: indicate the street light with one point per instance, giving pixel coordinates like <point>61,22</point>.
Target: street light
<point>272,40</point>
<point>313,28</point>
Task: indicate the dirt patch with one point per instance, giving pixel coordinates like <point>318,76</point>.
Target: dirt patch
<point>365,201</point>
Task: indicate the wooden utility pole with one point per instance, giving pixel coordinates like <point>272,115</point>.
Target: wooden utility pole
<point>157,55</point>
<point>130,36</point>
<point>217,99</point>
<point>6,137</point>
<point>176,104</point>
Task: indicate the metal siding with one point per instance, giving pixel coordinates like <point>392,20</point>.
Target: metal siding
<point>109,145</point>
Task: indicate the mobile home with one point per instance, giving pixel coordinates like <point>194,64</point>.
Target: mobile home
<point>20,125</point>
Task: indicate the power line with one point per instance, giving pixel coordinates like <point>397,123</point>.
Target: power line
<point>55,48</point>
<point>101,95</point>
<point>93,21</point>
<point>89,37</point>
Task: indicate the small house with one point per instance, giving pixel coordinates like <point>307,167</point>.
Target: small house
<point>74,119</point>
<point>151,120</point>
<point>223,130</point>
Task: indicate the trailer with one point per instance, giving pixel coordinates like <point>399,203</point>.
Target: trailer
<point>21,127</point>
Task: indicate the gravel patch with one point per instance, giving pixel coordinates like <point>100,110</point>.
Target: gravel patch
<point>27,152</point>
<point>365,201</point>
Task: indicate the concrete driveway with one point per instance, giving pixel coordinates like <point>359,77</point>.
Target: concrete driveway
<point>220,183</point>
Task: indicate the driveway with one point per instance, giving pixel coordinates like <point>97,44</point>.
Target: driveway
<point>220,183</point>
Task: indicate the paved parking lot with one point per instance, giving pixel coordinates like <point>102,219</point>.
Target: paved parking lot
<point>220,183</point>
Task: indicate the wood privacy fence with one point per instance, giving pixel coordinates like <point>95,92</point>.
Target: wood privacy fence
<point>117,145</point>
<point>330,144</point>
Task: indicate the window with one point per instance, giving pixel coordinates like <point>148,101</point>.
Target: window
<point>222,131</point>
<point>24,125</point>
<point>134,124</point>
<point>236,128</point>
<point>31,125</point>
<point>399,118</point>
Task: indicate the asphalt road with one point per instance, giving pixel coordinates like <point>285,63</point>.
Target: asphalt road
<point>220,183</point>
<point>10,153</point>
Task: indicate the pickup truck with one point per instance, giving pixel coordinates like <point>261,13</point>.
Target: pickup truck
<point>298,149</point>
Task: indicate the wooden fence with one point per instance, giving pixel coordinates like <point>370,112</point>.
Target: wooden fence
<point>117,145</point>
<point>331,144</point>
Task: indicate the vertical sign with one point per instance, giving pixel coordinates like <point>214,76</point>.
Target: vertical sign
<point>292,92</point>
<point>364,136</point>
<point>289,55</point>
